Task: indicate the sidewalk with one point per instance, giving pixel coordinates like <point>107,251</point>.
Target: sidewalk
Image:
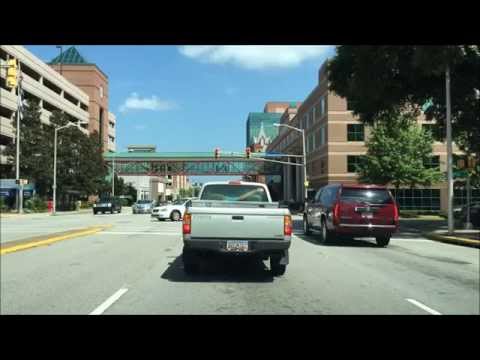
<point>59,213</point>
<point>459,237</point>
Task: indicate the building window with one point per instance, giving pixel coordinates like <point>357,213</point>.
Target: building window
<point>355,132</point>
<point>312,116</point>
<point>433,162</point>
<point>353,161</point>
<point>304,122</point>
<point>323,105</point>
<point>318,136</point>
<point>101,91</point>
<point>322,166</point>
<point>418,199</point>
<point>312,142</point>
<point>460,196</point>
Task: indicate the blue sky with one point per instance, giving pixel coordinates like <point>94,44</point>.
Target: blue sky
<point>196,98</point>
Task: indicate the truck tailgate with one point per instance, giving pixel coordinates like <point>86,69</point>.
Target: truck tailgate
<point>237,223</point>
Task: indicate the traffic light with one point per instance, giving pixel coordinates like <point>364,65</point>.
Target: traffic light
<point>217,153</point>
<point>247,152</point>
<point>12,73</point>
<point>471,162</point>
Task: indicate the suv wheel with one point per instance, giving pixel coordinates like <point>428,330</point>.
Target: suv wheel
<point>175,216</point>
<point>276,268</point>
<point>383,241</point>
<point>306,226</point>
<point>327,236</point>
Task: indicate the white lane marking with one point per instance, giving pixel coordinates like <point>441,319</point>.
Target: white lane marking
<point>109,302</point>
<point>138,233</point>
<point>423,307</point>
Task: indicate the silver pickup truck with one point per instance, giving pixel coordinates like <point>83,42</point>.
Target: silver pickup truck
<point>233,218</point>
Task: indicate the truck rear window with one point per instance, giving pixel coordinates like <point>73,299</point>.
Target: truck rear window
<point>234,193</point>
<point>371,196</point>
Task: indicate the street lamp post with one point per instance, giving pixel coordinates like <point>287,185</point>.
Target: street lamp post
<point>449,153</point>
<point>113,177</point>
<point>54,187</point>
<point>61,57</point>
<point>302,131</point>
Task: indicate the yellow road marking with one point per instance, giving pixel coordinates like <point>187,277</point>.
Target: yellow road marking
<point>455,239</point>
<point>82,232</point>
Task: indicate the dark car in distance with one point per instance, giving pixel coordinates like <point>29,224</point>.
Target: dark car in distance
<point>341,211</point>
<point>110,205</point>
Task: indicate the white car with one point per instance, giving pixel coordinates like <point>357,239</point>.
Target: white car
<point>172,211</point>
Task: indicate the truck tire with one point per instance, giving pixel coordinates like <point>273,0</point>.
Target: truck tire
<point>306,226</point>
<point>190,262</point>
<point>276,268</point>
<point>327,236</point>
<point>383,241</point>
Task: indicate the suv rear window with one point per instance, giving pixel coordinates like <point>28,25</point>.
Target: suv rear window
<point>371,196</point>
<point>234,193</point>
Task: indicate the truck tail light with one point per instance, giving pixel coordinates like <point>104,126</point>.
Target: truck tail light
<point>287,225</point>
<point>336,213</point>
<point>187,224</point>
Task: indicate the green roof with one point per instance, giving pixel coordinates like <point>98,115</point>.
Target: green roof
<point>70,56</point>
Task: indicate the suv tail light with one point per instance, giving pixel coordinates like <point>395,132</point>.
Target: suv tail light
<point>187,224</point>
<point>287,225</point>
<point>395,214</point>
<point>336,213</point>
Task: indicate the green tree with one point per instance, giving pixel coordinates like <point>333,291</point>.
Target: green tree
<point>36,159</point>
<point>80,164</point>
<point>381,80</point>
<point>398,153</point>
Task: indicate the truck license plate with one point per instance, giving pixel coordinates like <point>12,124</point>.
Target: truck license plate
<point>237,245</point>
<point>367,215</point>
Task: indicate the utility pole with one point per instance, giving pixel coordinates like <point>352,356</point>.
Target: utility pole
<point>449,153</point>
<point>305,181</point>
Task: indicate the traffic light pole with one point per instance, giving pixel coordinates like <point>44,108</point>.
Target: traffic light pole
<point>17,165</point>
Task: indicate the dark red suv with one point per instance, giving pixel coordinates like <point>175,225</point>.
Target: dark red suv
<point>347,211</point>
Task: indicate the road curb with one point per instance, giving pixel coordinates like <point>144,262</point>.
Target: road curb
<point>452,239</point>
<point>26,215</point>
<point>50,239</point>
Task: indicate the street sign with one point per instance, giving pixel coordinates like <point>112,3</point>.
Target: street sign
<point>460,174</point>
<point>21,181</point>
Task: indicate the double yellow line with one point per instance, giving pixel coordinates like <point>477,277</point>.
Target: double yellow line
<point>49,239</point>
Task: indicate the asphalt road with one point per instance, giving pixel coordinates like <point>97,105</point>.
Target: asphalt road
<point>134,268</point>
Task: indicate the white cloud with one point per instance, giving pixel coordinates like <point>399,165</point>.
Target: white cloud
<point>140,127</point>
<point>256,56</point>
<point>134,102</point>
